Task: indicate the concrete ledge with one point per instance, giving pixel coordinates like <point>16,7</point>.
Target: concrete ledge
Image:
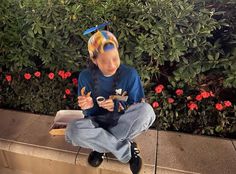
<point>26,147</point>
<point>24,138</point>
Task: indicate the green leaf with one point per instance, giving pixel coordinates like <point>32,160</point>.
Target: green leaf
<point>218,128</point>
<point>30,32</point>
<point>210,57</point>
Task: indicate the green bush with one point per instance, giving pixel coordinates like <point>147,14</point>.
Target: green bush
<point>177,43</point>
<point>40,34</point>
<point>193,110</point>
<point>40,94</point>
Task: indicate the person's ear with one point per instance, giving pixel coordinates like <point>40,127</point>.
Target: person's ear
<point>94,61</point>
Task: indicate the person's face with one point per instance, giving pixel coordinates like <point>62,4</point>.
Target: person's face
<point>108,62</point>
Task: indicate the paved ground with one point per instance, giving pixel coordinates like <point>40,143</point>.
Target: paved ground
<point>177,153</point>
<point>9,171</point>
<point>195,154</point>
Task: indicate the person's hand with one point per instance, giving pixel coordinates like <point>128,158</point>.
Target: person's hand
<point>107,104</point>
<point>85,102</point>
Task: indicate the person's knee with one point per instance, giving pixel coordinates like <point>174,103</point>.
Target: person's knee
<point>146,109</point>
<point>76,130</point>
<point>147,113</point>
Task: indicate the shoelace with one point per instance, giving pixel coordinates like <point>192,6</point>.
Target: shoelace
<point>105,156</point>
<point>136,152</point>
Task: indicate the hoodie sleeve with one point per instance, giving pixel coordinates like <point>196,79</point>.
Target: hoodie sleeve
<point>135,88</point>
<point>85,80</point>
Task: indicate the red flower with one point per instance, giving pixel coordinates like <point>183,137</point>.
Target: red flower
<point>179,92</point>
<point>159,89</point>
<point>170,100</point>
<point>205,94</point>
<point>192,106</point>
<point>75,81</point>
<point>51,75</point>
<point>67,91</point>
<point>198,97</point>
<point>27,76</point>
<point>37,74</point>
<point>62,74</point>
<point>227,103</point>
<point>8,78</point>
<point>67,74</point>
<point>219,106</point>
<point>155,104</point>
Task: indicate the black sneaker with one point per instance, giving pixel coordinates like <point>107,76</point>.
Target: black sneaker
<point>135,161</point>
<point>95,158</point>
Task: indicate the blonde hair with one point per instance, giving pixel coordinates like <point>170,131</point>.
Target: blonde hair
<point>98,40</point>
